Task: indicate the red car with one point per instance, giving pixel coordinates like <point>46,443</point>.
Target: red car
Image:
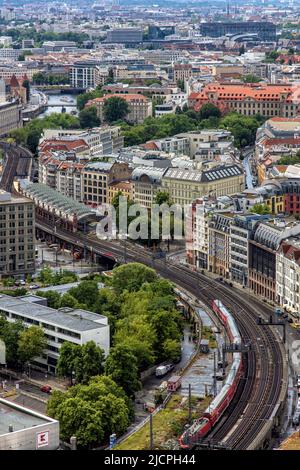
<point>46,389</point>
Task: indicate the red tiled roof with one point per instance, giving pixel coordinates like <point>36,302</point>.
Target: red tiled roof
<point>127,97</point>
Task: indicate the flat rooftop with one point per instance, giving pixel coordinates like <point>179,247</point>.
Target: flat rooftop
<point>73,319</point>
<point>18,417</point>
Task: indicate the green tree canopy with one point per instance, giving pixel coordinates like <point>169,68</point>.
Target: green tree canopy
<point>260,209</point>
<point>115,108</point>
<point>91,412</point>
<point>209,110</point>
<point>121,366</point>
<point>82,362</point>
<point>131,277</point>
<point>88,117</point>
<point>31,344</point>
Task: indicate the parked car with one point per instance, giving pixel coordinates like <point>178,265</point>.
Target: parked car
<point>46,389</point>
<point>34,286</point>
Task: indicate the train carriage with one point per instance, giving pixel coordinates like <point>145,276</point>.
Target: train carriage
<point>201,427</point>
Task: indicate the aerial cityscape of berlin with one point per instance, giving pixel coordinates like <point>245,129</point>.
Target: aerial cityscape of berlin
<point>150,231</point>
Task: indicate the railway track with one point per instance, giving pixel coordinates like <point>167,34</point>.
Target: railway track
<point>18,164</point>
<point>263,390</point>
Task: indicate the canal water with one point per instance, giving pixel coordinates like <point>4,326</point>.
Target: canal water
<point>58,101</point>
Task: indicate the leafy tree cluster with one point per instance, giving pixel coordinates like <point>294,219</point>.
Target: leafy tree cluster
<point>86,296</point>
<point>115,108</point>
<point>209,117</point>
<point>30,134</point>
<point>83,98</point>
<point>147,322</point>
<point>88,117</point>
<point>250,78</point>
<point>48,276</point>
<point>18,34</point>
<point>260,209</point>
<point>91,412</point>
<point>51,79</point>
<point>22,344</point>
<point>290,160</point>
<point>272,56</point>
<point>80,362</point>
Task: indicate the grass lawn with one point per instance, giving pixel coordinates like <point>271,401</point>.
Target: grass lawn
<point>167,424</point>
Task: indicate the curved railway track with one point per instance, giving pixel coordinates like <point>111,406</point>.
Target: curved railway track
<point>18,164</point>
<point>265,383</point>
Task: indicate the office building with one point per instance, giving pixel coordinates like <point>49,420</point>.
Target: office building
<point>265,31</point>
<point>17,237</point>
<point>125,35</point>
<point>76,326</point>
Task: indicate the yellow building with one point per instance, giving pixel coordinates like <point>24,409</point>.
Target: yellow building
<point>184,186</point>
<point>125,187</point>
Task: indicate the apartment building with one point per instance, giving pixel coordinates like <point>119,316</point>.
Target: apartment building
<point>241,230</point>
<point>17,236</point>
<point>249,99</point>
<point>288,275</point>
<point>76,326</point>
<point>96,178</point>
<point>103,140</point>
<point>184,186</point>
<point>182,72</point>
<point>82,74</point>
<point>262,254</point>
<point>146,181</point>
<point>218,243</point>
<point>139,107</point>
<point>10,116</point>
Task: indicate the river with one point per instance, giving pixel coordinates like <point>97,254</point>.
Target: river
<point>59,100</point>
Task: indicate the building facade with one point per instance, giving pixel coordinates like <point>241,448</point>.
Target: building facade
<point>17,236</point>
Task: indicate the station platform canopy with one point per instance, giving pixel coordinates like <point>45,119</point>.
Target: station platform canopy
<point>51,197</point>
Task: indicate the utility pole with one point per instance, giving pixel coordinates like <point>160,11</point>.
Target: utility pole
<point>190,404</point>
<point>215,376</point>
<point>125,249</point>
<point>151,432</point>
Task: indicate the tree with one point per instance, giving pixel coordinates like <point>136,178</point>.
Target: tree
<point>290,159</point>
<point>88,117</point>
<point>251,78</point>
<point>31,344</point>
<point>66,361</point>
<point>172,350</point>
<point>67,300</point>
<point>115,108</point>
<point>10,334</point>
<point>162,197</point>
<point>80,362</point>
<point>260,209</point>
<point>80,418</point>
<point>90,362</point>
<point>86,293</point>
<point>131,277</point>
<point>121,366</point>
<point>180,84</point>
<point>53,298</point>
<point>91,412</point>
<point>209,110</point>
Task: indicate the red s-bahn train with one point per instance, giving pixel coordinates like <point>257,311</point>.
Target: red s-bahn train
<point>201,426</point>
